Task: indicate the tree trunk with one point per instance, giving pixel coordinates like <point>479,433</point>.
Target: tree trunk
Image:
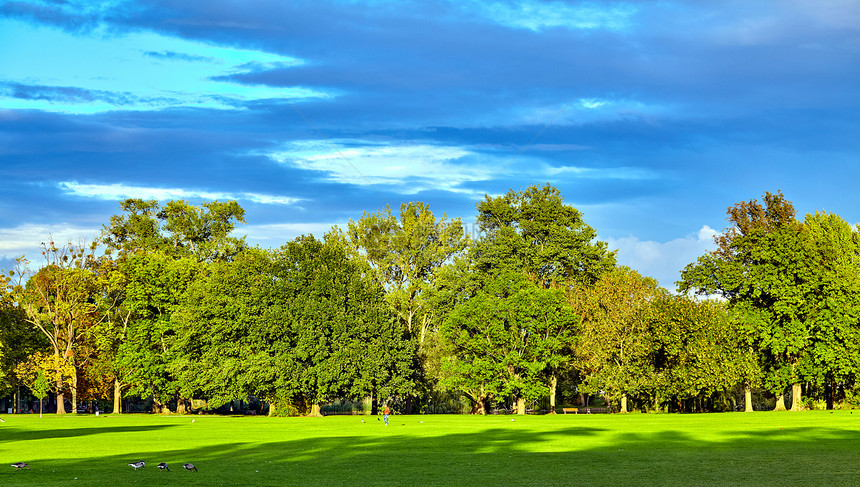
<point>553,383</point>
<point>795,397</point>
<point>623,403</point>
<point>315,410</point>
<point>181,406</point>
<point>157,406</point>
<point>479,407</point>
<point>828,395</point>
<point>521,405</point>
<point>75,393</point>
<point>117,397</point>
<point>61,403</point>
<point>780,402</point>
<point>374,404</point>
<point>748,407</point>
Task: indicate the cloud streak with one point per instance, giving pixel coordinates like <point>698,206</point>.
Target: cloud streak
<point>115,192</point>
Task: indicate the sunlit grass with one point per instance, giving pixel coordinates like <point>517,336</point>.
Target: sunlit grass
<point>786,448</point>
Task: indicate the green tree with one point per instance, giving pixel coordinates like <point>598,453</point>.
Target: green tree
<point>154,289</point>
<point>698,350</point>
<point>158,248</point>
<point>407,252</point>
<point>336,310</point>
<point>40,389</point>
<point>178,228</point>
<point>505,338</point>
<point>760,267</point>
<point>614,353</point>
<point>535,232</point>
<point>296,327</point>
<point>18,339</point>
<point>833,301</point>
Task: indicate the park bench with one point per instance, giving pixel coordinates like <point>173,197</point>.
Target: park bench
<point>586,410</point>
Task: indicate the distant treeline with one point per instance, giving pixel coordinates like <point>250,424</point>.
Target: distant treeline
<point>409,309</point>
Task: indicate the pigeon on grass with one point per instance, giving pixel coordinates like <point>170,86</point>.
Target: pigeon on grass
<point>137,465</point>
<point>163,466</point>
<point>20,465</point>
<point>190,467</point>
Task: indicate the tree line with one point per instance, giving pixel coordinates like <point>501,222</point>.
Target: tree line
<point>404,306</point>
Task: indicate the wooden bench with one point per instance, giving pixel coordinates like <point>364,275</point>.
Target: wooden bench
<point>585,410</point>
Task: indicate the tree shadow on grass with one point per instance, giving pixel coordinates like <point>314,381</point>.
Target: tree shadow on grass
<point>497,456</point>
<point>18,434</point>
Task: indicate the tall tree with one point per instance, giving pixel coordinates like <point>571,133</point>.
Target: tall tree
<point>834,303</point>
<point>698,350</point>
<point>57,300</point>
<point>615,345</point>
<point>155,288</point>
<point>18,339</point>
<point>505,338</point>
<point>158,248</point>
<point>297,327</point>
<point>760,266</point>
<point>406,252</point>
<point>535,233</point>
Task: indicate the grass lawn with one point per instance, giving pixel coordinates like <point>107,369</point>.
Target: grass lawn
<point>813,448</point>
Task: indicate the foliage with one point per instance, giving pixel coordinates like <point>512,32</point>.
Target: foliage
<point>795,286</point>
<point>505,338</point>
<point>406,252</point>
<point>614,353</point>
<point>178,228</point>
<point>298,326</point>
<point>698,349</point>
<point>57,300</point>
<point>535,232</point>
<point>155,286</point>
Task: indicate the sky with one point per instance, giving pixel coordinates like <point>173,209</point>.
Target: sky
<point>651,117</point>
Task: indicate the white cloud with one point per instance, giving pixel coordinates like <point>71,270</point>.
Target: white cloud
<point>122,191</point>
<point>412,167</point>
<point>663,260</point>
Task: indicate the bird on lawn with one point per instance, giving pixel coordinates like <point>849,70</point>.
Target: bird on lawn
<point>163,466</point>
<point>190,467</point>
<point>137,465</point>
<point>21,465</point>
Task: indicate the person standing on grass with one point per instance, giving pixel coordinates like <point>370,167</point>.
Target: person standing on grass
<point>385,414</point>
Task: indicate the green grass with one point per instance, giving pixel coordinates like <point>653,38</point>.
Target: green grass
<point>815,448</point>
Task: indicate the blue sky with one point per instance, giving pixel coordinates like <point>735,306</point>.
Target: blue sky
<point>652,117</point>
